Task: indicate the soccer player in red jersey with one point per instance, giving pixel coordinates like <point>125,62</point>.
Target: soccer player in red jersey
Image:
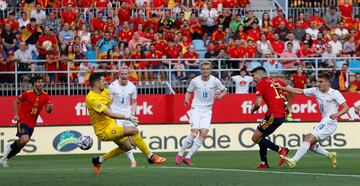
<point>274,117</point>
<point>27,108</point>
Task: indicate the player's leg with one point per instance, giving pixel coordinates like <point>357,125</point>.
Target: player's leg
<point>302,150</point>
<point>128,153</point>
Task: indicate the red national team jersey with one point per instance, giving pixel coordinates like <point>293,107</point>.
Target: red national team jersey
<point>272,97</point>
<point>299,81</point>
<point>30,106</point>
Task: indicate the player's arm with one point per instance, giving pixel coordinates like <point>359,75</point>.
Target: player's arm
<point>222,94</point>
<point>187,98</point>
<point>15,109</point>
<point>49,107</point>
<point>257,105</point>
<point>114,115</point>
<point>344,109</point>
<point>289,89</point>
<point>133,107</point>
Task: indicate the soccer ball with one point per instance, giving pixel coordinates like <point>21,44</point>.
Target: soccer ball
<point>85,142</point>
<point>47,45</point>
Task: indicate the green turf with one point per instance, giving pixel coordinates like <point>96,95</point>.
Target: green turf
<point>225,168</point>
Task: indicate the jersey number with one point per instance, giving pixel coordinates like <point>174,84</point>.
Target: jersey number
<point>33,111</point>
<point>205,95</point>
<point>278,96</point>
<point>122,100</point>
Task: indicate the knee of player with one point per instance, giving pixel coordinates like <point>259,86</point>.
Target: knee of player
<point>24,140</point>
<point>134,130</point>
<point>255,139</point>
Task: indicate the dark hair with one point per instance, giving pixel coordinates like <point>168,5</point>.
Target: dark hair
<point>243,69</point>
<point>260,68</point>
<point>32,19</point>
<point>94,77</point>
<point>37,78</point>
<point>324,75</point>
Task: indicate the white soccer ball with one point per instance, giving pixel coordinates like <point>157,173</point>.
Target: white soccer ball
<point>85,142</point>
<point>47,45</point>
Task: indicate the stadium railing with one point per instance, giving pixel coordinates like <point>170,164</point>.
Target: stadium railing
<point>169,84</point>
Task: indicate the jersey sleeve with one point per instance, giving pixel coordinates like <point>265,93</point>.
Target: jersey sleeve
<point>339,98</point>
<point>259,90</point>
<point>22,97</point>
<point>219,85</point>
<point>134,93</point>
<point>281,82</point>
<point>47,99</point>
<point>191,87</point>
<point>95,104</point>
<point>310,91</point>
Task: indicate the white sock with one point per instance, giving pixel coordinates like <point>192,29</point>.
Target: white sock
<point>197,144</point>
<point>320,150</point>
<point>130,155</point>
<point>149,156</point>
<point>101,159</point>
<point>186,144</point>
<point>304,147</point>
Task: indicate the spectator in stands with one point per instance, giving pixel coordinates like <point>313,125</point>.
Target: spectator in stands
<point>328,56</point>
<point>355,85</point>
<point>23,20</point>
<point>30,35</point>
<point>8,38</point>
<point>235,23</point>
<point>265,22</point>
<point>303,21</point>
<point>219,34</point>
<point>124,13</point>
<point>254,33</point>
<point>308,39</point>
<point>342,32</point>
<point>319,45</point>
<point>23,55</point>
<point>277,45</point>
<point>69,16</point>
<point>282,31</point>
<point>166,22</point>
<point>125,34</point>
<point>312,83</point>
<point>312,30</point>
<point>346,8</point>
<point>333,18</point>
<point>86,69</point>
<point>299,32</point>
<point>38,14</point>
<point>66,35</point>
<point>191,64</point>
<point>153,53</point>
<point>264,47</point>
<point>14,24</point>
<point>249,20</point>
<point>211,53</point>
<point>85,36</point>
<point>295,42</point>
<point>299,78</point>
<point>305,51</point>
<point>104,45</point>
<point>97,23</point>
<point>336,45</point>
<point>279,18</point>
<point>137,40</point>
<point>289,53</point>
<point>317,19</point>
<point>242,82</point>
<point>52,22</point>
<point>290,23</point>
<point>207,17</point>
<point>349,47</point>
<point>340,79</point>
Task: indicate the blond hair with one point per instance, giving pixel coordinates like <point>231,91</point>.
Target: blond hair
<point>205,63</point>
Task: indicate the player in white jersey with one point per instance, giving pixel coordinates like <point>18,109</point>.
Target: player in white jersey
<point>124,94</point>
<point>329,101</point>
<point>206,88</point>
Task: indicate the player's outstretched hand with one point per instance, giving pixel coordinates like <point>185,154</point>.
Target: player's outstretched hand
<point>277,85</point>
<point>133,119</point>
<point>16,118</point>
<point>333,116</point>
<point>218,97</point>
<point>187,103</point>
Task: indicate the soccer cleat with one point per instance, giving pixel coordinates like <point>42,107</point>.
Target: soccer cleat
<point>4,162</point>
<point>97,165</point>
<point>187,161</point>
<point>290,162</point>
<point>178,160</point>
<point>283,152</point>
<point>332,159</point>
<point>262,166</point>
<point>133,164</point>
<point>156,159</point>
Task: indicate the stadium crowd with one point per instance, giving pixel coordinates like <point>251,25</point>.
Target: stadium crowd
<point>62,31</point>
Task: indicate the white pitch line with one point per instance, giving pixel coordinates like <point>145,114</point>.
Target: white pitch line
<point>259,171</point>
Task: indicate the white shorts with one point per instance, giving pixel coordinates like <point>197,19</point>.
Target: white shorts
<point>125,123</point>
<point>325,129</point>
<point>199,119</point>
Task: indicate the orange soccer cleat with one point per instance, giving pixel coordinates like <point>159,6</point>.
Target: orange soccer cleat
<point>283,153</point>
<point>156,159</point>
<point>263,166</point>
<point>97,165</point>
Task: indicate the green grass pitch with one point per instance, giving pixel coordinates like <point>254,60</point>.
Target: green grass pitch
<point>209,168</point>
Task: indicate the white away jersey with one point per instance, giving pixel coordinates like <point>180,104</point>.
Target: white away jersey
<point>242,84</point>
<point>204,92</point>
<point>121,97</point>
<point>328,102</point>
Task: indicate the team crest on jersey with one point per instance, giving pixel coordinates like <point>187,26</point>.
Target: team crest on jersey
<point>113,131</point>
<point>99,106</point>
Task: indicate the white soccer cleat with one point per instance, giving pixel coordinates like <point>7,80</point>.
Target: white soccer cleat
<point>332,159</point>
<point>289,161</point>
<point>4,162</point>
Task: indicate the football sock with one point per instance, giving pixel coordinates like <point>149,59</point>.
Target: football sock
<point>197,144</point>
<point>130,155</point>
<point>263,154</point>
<point>15,149</point>
<point>304,147</point>
<point>186,144</point>
<point>319,150</point>
<point>112,154</point>
<point>140,143</point>
<point>268,144</point>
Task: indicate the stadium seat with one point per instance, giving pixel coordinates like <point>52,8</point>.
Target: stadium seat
<point>271,67</point>
<point>254,64</point>
<point>199,45</point>
<point>355,64</point>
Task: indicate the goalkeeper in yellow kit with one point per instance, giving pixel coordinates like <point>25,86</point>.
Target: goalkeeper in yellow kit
<point>105,127</point>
